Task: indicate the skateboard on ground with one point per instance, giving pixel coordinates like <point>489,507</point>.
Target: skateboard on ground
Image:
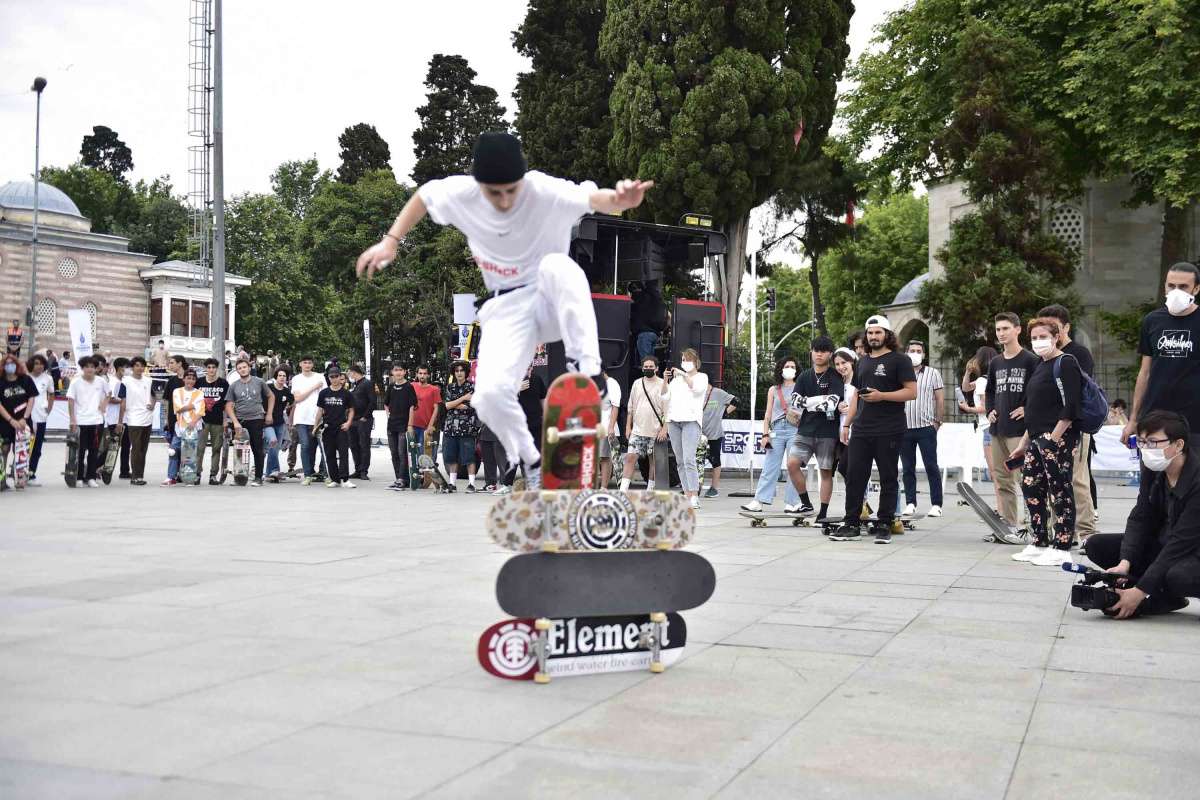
<point>429,469</point>
<point>241,457</point>
<point>759,520</point>
<point>1002,532</point>
<point>110,450</point>
<point>591,519</point>
<point>602,584</point>
<point>900,524</point>
<point>71,471</point>
<point>569,432</point>
<point>413,449</point>
<point>22,442</point>
<point>579,645</point>
<point>189,441</point>
<point>318,434</point>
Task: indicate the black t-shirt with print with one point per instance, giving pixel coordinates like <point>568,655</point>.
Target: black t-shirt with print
<point>812,384</point>
<point>335,405</point>
<point>461,420</point>
<point>1173,344</point>
<point>283,401</point>
<point>215,393</point>
<point>16,394</point>
<point>1006,380</point>
<point>531,403</point>
<point>886,373</point>
<point>401,397</point>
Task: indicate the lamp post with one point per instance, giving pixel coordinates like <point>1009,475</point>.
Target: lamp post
<point>38,85</point>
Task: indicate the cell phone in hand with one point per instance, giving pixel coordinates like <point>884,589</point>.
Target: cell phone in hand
<point>1015,464</point>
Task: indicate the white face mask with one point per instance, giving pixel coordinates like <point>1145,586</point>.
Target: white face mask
<point>687,366</point>
<point>1156,460</point>
<point>1178,301</point>
<point>916,358</point>
<point>789,373</point>
<point>1042,346</point>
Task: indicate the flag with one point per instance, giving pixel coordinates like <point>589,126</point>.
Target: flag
<point>798,134</point>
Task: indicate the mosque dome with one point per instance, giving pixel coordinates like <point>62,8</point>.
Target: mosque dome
<point>19,195</point>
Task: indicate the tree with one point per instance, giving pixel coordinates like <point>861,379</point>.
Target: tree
<point>99,196</point>
<point>104,150</point>
<point>160,222</point>
<point>889,247</point>
<point>721,103</point>
<point>457,110</point>
<point>562,102</point>
<point>296,182</point>
<point>363,150</point>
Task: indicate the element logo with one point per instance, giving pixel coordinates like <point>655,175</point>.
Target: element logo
<point>601,521</point>
<point>510,649</point>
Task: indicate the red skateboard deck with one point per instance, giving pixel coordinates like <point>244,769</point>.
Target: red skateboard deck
<point>569,432</point>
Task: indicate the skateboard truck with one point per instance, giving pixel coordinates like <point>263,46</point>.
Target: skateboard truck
<point>652,639</point>
<point>549,545</point>
<point>574,430</point>
<point>541,644</point>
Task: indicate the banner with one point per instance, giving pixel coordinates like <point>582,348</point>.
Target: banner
<point>464,309</point>
<point>80,322</point>
<point>367,346</point>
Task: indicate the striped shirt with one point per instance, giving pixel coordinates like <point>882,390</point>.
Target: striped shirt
<point>920,413</point>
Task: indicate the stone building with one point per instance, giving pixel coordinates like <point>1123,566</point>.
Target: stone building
<point>1118,259</point>
<point>132,302</point>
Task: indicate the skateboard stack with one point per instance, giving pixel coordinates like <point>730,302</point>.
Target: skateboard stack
<point>598,578</point>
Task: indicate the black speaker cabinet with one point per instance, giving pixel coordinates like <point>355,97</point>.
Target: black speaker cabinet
<point>700,325</point>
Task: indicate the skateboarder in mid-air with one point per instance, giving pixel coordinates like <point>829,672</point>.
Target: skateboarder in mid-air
<point>518,226</point>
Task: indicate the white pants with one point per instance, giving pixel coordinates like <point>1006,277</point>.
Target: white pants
<point>558,306</point>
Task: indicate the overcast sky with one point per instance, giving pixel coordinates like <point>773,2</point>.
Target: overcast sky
<point>296,74</point>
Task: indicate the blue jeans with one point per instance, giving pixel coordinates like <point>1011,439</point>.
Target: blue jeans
<point>272,436</point>
<point>308,449</point>
<point>768,481</point>
<point>645,344</point>
<point>924,439</point>
<point>173,461</point>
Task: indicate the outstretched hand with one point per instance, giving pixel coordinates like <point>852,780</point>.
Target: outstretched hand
<point>631,193</point>
<point>376,257</point>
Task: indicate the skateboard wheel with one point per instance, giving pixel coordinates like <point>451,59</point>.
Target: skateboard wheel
<point>549,547</point>
<point>541,624</point>
<point>662,496</point>
<point>547,495</point>
<point>551,435</point>
<point>541,677</point>
<point>663,546</point>
<point>658,616</point>
<point>656,667</point>
<point>798,521</point>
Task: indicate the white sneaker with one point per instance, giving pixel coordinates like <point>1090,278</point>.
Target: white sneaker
<point>649,486</point>
<point>33,481</point>
<point>347,485</point>
<point>753,506</point>
<point>623,486</point>
<point>1030,553</point>
<point>501,490</point>
<point>1053,557</point>
<point>794,509</point>
<point>934,511</point>
<point>911,509</point>
<point>95,484</point>
<point>695,502</point>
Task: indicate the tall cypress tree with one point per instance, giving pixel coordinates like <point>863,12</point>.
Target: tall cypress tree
<point>457,110</point>
<point>363,150</point>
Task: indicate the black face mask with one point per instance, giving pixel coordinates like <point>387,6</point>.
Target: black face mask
<point>649,373</point>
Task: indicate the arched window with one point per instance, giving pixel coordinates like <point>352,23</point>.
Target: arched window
<point>45,316</point>
<point>90,307</point>
<point>1066,222</point>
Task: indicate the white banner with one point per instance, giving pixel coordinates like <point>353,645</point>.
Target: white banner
<point>80,322</point>
<point>464,309</point>
<point>367,346</point>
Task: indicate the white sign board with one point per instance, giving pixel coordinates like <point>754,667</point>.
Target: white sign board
<point>80,322</point>
<point>464,309</point>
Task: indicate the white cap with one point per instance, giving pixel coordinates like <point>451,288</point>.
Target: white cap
<point>878,321</point>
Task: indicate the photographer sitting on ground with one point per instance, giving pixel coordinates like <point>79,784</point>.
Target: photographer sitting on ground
<point>1160,549</point>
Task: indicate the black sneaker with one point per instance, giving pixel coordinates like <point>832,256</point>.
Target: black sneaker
<point>805,509</point>
<point>213,481</point>
<point>883,533</point>
<point>846,532</point>
<point>470,488</point>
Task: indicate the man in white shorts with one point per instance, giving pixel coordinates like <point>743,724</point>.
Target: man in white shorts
<point>518,227</point>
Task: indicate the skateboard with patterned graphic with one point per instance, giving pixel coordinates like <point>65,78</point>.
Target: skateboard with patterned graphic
<point>569,429</point>
<point>591,519</point>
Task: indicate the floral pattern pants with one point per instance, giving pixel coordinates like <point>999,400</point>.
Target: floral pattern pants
<point>1046,484</point>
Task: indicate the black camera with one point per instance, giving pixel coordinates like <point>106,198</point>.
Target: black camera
<point>1095,589</point>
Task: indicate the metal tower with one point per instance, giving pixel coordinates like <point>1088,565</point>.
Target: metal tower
<point>200,89</point>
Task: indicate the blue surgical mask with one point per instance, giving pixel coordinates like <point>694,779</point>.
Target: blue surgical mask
<point>10,369</point>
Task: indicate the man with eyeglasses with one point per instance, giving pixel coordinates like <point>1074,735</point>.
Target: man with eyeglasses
<point>1160,549</point>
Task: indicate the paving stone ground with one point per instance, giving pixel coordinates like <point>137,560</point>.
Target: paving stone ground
<point>291,642</point>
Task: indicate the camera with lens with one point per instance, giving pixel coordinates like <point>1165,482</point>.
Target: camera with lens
<point>1095,589</point>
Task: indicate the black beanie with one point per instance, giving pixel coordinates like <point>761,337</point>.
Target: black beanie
<point>498,159</point>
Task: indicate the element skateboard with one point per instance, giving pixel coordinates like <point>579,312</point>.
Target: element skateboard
<point>579,646</point>
<point>188,448</point>
<point>20,463</point>
<point>569,432</point>
<point>241,457</point>
<point>1002,533</point>
<point>110,450</point>
<point>759,520</point>
<point>602,584</point>
<point>591,520</point>
<point>71,471</point>
<point>414,457</point>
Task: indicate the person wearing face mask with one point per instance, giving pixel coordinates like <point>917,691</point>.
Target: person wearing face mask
<point>1051,407</point>
<point>923,418</point>
<point>645,423</point>
<point>1160,549</point>
<point>816,424</point>
<point>1169,374</point>
<point>18,394</point>
<point>684,390</point>
<point>778,432</point>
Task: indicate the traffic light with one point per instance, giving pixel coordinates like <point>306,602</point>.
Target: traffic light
<point>771,299</point>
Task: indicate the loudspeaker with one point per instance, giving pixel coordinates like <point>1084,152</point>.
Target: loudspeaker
<point>612,325</point>
<point>700,325</point>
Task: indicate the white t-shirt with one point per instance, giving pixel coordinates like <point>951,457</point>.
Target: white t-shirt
<point>115,391</point>
<point>306,410</point>
<point>88,396</point>
<point>684,404</point>
<point>138,393</point>
<point>45,385</point>
<point>979,398</point>
<point>509,246</point>
<point>850,395</point>
<point>612,404</point>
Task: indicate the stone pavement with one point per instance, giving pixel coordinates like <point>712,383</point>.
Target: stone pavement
<point>286,642</point>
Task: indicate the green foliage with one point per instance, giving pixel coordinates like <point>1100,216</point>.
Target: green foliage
<point>737,379</point>
<point>1125,327</point>
<point>103,149</point>
<point>457,110</point>
<point>793,305</point>
<point>363,150</point>
<point>562,102</point>
<point>889,247</point>
<point>99,196</point>
<point>295,183</point>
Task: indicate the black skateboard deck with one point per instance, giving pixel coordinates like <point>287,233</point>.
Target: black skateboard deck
<point>1001,532</point>
<point>602,584</point>
<point>110,451</point>
<point>71,470</point>
<point>899,524</point>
